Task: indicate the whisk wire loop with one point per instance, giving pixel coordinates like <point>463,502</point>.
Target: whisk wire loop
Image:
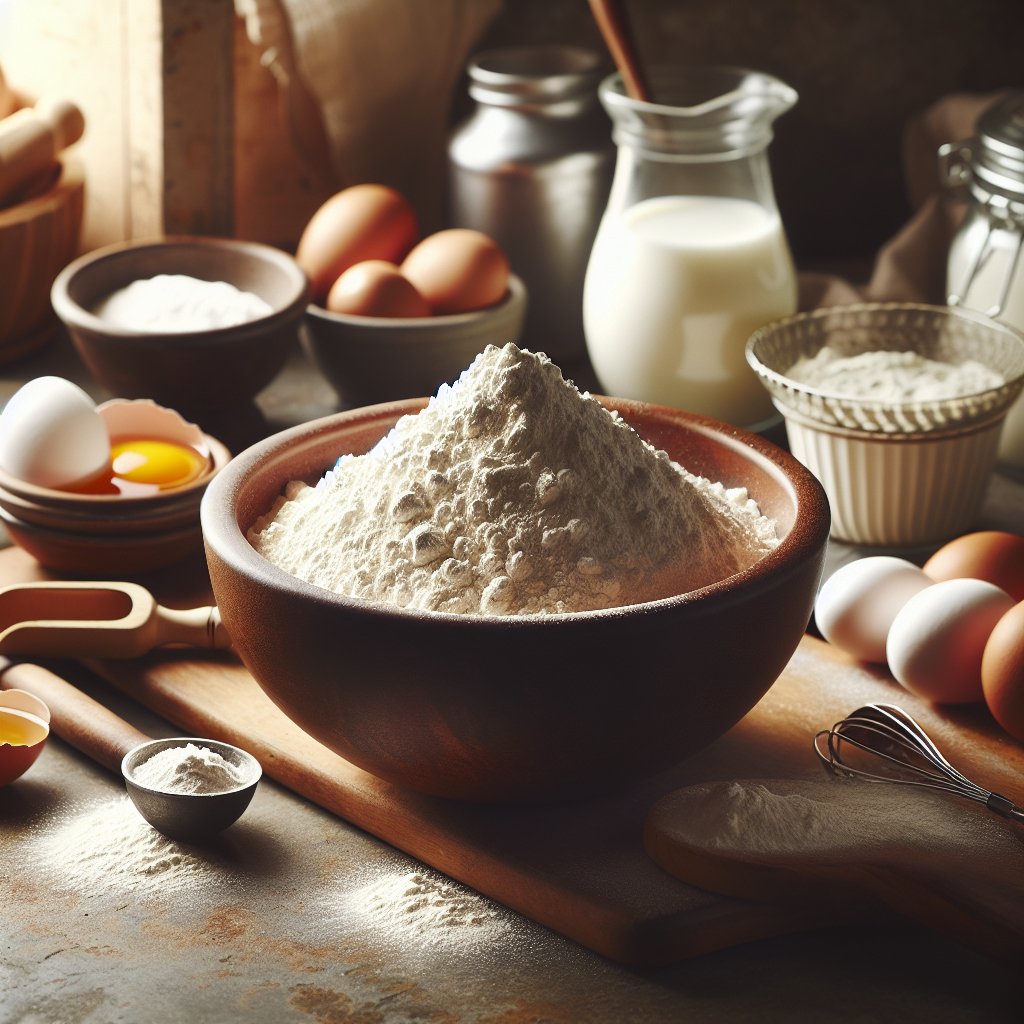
<point>905,754</point>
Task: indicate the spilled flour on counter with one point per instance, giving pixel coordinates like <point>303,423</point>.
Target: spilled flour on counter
<point>113,848</point>
<point>430,907</point>
<point>512,493</point>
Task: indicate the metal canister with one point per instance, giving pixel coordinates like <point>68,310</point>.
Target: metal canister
<point>985,269</point>
<point>531,166</point>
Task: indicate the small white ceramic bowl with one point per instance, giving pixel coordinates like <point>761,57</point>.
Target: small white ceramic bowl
<point>896,473</point>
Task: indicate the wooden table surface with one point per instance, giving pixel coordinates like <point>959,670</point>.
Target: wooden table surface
<point>295,915</point>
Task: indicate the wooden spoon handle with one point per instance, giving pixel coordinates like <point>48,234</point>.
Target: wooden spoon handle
<point>74,716</point>
<point>198,627</point>
<point>611,21</point>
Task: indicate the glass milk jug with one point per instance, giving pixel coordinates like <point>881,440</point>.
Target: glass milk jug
<point>690,257</point>
<point>985,269</point>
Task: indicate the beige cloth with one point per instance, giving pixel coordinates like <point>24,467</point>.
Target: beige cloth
<point>911,266</point>
<point>380,75</point>
<point>368,90</point>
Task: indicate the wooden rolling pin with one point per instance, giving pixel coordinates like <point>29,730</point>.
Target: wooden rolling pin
<point>74,716</point>
<point>31,140</point>
<point>10,99</point>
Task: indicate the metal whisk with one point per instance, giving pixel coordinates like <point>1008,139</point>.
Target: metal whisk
<point>903,753</point>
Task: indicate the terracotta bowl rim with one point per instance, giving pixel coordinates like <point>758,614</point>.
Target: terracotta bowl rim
<point>514,297</point>
<point>129,540</point>
<point>805,540</point>
<point>78,317</point>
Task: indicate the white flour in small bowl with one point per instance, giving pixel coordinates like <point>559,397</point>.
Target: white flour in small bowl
<point>512,493</point>
<point>886,376</point>
<point>190,768</point>
<point>178,303</point>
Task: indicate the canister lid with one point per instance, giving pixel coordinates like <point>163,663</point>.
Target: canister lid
<point>999,154</point>
<point>527,75</point>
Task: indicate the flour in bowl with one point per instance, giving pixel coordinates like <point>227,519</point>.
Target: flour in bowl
<point>178,303</point>
<point>512,493</point>
<point>884,376</point>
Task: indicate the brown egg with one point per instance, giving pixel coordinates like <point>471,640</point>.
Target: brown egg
<point>376,288</point>
<point>362,222</point>
<point>458,270</point>
<point>1002,672</point>
<point>991,555</point>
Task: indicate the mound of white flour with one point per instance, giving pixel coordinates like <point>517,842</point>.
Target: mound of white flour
<point>512,493</point>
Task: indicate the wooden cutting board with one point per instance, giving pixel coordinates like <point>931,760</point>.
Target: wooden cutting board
<point>580,868</point>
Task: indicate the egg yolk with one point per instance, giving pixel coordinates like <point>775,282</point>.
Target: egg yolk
<point>163,463</point>
<point>147,464</point>
<point>19,731</point>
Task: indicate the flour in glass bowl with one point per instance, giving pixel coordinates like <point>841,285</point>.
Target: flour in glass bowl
<point>512,493</point>
<point>887,376</point>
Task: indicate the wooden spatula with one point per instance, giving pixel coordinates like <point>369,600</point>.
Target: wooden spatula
<point>946,863</point>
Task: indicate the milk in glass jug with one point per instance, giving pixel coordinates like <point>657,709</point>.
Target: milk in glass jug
<point>690,257</point>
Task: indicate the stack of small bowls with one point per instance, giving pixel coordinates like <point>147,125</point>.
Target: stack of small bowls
<point>120,534</point>
<point>897,473</point>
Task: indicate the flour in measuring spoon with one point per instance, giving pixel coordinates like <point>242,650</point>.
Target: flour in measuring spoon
<point>177,303</point>
<point>512,493</point>
<point>885,376</point>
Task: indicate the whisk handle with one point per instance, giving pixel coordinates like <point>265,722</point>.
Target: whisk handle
<point>1007,808</point>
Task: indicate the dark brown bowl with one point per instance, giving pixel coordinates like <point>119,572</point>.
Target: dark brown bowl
<point>529,708</point>
<point>372,359</point>
<point>195,370</point>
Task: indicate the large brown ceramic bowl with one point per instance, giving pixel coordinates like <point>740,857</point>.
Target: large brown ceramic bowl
<point>492,708</point>
<point>191,371</point>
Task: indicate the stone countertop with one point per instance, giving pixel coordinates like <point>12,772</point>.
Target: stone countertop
<point>294,915</point>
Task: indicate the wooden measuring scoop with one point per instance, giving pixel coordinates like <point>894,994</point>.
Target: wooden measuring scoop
<point>99,620</point>
<point>950,865</point>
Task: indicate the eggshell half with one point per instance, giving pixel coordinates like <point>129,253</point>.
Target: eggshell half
<point>26,715</point>
<point>142,417</point>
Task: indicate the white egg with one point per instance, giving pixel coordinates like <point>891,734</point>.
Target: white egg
<point>937,640</point>
<point>51,434</point>
<point>858,602</point>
